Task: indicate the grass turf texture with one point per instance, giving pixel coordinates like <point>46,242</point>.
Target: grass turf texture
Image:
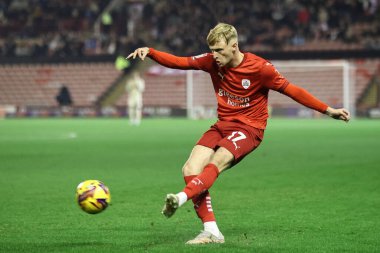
<point>312,186</point>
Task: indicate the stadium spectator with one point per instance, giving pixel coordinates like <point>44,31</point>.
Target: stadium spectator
<point>64,97</point>
<point>274,26</point>
<point>241,83</point>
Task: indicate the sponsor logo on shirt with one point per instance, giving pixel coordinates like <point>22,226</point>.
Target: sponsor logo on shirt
<point>245,83</point>
<point>234,100</point>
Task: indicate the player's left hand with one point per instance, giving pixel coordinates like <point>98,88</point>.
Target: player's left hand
<point>141,52</point>
<point>340,114</point>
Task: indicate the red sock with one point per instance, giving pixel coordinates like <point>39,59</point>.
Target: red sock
<point>202,182</point>
<point>202,204</point>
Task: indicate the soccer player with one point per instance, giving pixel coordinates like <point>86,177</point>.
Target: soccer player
<point>135,87</point>
<point>241,82</point>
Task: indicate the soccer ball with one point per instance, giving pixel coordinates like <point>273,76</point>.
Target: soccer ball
<point>93,196</point>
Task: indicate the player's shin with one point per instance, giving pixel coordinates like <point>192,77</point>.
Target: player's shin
<point>203,208</point>
<point>202,182</point>
<point>202,203</point>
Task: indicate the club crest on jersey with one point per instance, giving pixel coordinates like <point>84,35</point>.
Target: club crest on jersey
<point>245,83</point>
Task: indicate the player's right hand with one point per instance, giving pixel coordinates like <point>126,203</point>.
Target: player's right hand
<point>340,114</point>
<point>141,52</point>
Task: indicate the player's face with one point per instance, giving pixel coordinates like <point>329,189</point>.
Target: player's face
<point>223,53</point>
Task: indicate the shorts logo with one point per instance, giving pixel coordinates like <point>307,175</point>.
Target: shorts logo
<point>245,83</point>
<point>235,137</point>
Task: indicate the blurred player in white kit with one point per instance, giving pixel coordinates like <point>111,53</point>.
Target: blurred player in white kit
<point>135,87</point>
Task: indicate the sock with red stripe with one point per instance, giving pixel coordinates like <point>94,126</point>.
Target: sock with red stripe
<point>202,182</point>
<point>202,204</point>
<point>203,208</point>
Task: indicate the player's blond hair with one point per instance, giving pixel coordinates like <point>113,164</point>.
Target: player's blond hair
<point>221,32</point>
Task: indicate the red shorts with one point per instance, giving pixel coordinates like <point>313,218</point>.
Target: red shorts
<point>236,137</point>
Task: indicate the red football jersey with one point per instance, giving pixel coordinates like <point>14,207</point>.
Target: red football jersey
<point>242,92</point>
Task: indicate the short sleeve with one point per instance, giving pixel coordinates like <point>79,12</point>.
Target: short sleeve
<point>272,79</point>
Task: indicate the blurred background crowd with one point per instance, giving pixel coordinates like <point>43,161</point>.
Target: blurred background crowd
<point>74,28</point>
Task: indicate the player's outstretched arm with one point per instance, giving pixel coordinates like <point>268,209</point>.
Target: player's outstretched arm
<point>141,52</point>
<point>165,59</point>
<point>303,97</point>
<point>339,114</point>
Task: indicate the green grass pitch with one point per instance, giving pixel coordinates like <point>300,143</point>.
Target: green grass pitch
<point>312,186</point>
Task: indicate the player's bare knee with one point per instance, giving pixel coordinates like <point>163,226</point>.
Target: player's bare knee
<point>190,169</point>
<point>198,159</point>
